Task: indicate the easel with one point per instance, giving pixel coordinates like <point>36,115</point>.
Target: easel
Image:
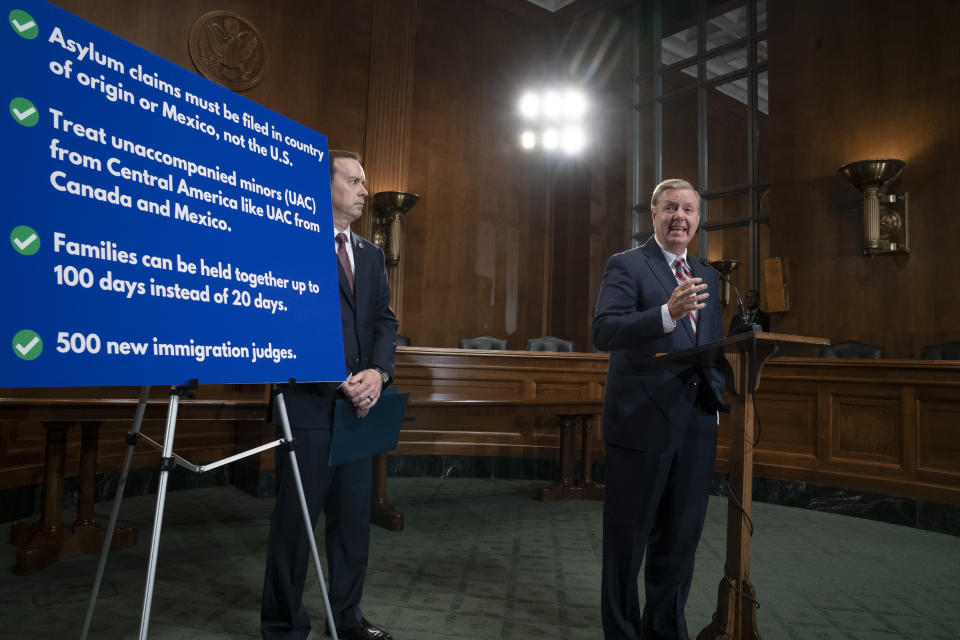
<point>169,460</point>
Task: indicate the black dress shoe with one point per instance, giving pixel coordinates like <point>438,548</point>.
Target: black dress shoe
<point>363,631</point>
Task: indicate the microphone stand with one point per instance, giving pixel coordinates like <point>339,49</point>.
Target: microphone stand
<point>746,327</point>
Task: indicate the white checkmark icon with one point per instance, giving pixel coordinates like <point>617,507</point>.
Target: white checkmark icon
<point>23,27</point>
<point>25,243</point>
<point>23,115</point>
<point>24,350</point>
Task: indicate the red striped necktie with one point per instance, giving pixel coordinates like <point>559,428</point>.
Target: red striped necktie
<point>683,274</point>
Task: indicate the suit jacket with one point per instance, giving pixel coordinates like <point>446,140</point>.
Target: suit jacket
<point>644,400</point>
<point>369,335</point>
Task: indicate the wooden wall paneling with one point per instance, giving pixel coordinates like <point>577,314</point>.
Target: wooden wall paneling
<point>516,270</point>
<point>479,231</point>
<point>727,140</point>
<point>389,117</point>
<point>391,93</point>
<point>508,388</point>
<point>253,433</point>
<point>434,432</point>
<point>680,138</point>
<point>910,430</point>
<point>594,199</point>
<point>787,415</point>
<point>455,383</point>
<point>788,423</point>
<point>866,433</point>
<point>547,388</point>
<point>913,401</point>
<point>825,113</point>
<point>938,452</point>
<point>825,425</point>
<point>550,259</point>
<point>21,453</point>
<point>877,422</point>
<point>867,428</point>
<point>731,244</point>
<point>318,74</point>
<point>570,253</point>
<point>207,426</point>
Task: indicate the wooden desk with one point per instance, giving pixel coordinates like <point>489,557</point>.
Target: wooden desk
<point>890,426</point>
<point>104,416</point>
<point>499,403</point>
<point>487,403</point>
<point>881,426</point>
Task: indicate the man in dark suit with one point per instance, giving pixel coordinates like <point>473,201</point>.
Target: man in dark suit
<point>754,315</point>
<point>659,422</point>
<point>343,491</point>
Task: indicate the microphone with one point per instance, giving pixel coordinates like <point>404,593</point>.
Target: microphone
<point>747,326</point>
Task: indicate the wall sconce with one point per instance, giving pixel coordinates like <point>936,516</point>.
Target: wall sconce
<point>726,267</point>
<point>884,215</point>
<point>390,207</point>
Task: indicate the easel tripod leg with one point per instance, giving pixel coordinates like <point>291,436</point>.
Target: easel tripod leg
<point>288,438</point>
<point>167,466</point>
<point>115,513</point>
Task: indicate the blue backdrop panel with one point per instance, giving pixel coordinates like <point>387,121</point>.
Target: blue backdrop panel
<point>160,227</point>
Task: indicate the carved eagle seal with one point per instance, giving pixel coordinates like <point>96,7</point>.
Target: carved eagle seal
<point>229,50</point>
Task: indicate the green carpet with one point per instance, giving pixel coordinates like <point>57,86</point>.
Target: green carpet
<point>480,559</point>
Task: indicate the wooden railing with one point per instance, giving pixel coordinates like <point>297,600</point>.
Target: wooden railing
<point>882,426</point>
<point>885,426</point>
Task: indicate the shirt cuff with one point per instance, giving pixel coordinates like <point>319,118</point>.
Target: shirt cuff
<point>668,323</point>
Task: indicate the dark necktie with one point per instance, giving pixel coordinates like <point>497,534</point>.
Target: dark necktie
<point>344,258</point>
<point>683,274</point>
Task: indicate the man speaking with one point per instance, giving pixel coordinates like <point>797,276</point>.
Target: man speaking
<point>659,422</point>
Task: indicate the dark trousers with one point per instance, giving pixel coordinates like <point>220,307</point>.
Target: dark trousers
<point>343,493</point>
<point>655,502</point>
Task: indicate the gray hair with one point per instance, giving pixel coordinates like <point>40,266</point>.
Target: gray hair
<point>672,183</point>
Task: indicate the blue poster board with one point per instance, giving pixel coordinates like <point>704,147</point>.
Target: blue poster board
<point>160,227</point>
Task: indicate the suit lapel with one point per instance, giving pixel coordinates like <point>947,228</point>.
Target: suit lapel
<point>344,285</point>
<point>661,270</point>
<point>361,263</point>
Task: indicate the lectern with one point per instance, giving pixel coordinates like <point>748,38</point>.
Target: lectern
<point>742,357</point>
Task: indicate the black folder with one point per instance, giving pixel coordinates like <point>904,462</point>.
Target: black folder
<point>354,438</point>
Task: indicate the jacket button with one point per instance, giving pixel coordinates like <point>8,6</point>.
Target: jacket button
<point>693,384</point>
<point>356,360</point>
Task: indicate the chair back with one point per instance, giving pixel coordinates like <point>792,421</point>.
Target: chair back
<point>549,343</point>
<point>851,349</point>
<point>945,351</point>
<point>483,342</point>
